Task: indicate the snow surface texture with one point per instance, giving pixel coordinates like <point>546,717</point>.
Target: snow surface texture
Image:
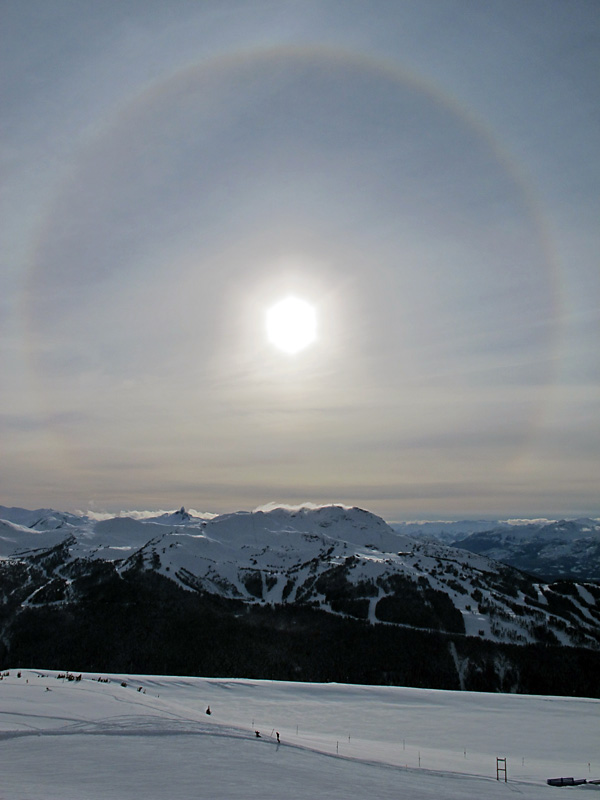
<point>151,738</point>
<point>277,557</point>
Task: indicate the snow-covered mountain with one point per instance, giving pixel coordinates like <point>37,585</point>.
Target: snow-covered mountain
<point>446,531</point>
<point>344,561</point>
<point>548,549</point>
<point>568,549</point>
<point>42,519</point>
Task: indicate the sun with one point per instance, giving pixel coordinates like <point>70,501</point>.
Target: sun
<point>291,325</point>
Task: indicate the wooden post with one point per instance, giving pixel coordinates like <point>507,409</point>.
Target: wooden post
<point>501,768</point>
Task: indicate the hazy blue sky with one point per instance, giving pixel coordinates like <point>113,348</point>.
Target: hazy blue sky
<point>425,173</point>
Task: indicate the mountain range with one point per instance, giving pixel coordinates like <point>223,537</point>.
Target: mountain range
<point>548,549</point>
<point>281,582</point>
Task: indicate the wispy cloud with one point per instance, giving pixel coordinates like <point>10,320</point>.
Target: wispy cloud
<point>142,515</point>
<point>298,507</point>
<point>173,172</point>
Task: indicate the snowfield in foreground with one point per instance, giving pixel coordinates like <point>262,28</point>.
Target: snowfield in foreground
<point>151,738</point>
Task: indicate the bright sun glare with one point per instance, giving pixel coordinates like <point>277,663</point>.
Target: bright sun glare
<point>291,325</point>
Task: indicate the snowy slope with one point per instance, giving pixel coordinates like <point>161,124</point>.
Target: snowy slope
<point>113,539</point>
<point>151,738</point>
<point>16,539</point>
<point>42,519</point>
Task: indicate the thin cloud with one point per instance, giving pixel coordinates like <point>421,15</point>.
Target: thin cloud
<point>142,515</point>
<point>299,507</point>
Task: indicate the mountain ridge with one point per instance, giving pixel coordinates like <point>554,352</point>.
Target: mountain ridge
<point>316,594</point>
<point>561,549</point>
<point>345,561</point>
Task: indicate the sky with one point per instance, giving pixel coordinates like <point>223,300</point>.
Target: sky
<point>424,175</point>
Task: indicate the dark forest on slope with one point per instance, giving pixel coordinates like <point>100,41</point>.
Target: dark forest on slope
<point>142,622</point>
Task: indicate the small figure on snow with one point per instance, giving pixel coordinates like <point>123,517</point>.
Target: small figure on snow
<point>208,711</point>
<point>277,735</point>
<point>257,734</point>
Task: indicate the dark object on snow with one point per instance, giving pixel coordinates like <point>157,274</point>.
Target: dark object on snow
<point>277,735</point>
<point>565,781</point>
<point>208,711</point>
<point>257,734</point>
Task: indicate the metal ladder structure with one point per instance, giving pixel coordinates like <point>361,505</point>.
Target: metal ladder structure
<point>501,769</point>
